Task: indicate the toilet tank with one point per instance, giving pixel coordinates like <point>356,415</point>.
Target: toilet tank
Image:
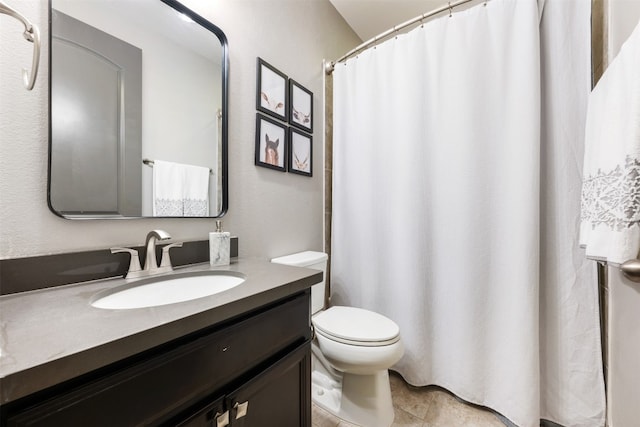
<point>309,259</point>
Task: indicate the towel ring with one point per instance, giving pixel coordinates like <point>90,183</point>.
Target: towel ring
<point>31,34</point>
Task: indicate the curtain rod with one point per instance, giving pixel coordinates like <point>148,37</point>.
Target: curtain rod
<point>331,65</point>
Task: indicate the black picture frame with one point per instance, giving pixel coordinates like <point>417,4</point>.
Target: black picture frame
<point>300,106</point>
<point>300,152</point>
<point>271,143</point>
<point>272,91</point>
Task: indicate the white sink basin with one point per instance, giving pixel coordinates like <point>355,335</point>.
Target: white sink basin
<point>165,290</point>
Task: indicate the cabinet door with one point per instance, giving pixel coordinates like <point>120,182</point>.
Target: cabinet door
<point>280,396</point>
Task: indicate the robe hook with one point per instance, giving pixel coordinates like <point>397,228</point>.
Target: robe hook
<point>30,34</point>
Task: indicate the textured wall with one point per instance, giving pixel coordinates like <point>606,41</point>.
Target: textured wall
<point>272,213</point>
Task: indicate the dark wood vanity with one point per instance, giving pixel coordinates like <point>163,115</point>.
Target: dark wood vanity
<point>241,357</point>
<point>253,370</point>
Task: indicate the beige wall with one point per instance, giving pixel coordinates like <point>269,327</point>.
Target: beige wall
<point>272,213</point>
<point>622,18</point>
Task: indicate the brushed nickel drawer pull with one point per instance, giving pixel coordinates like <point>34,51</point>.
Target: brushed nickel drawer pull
<point>241,409</point>
<point>222,420</point>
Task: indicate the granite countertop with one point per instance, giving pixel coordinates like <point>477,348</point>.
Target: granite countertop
<point>52,335</point>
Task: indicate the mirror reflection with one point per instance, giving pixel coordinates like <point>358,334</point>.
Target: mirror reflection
<point>138,110</point>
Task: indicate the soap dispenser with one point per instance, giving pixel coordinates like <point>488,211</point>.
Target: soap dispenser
<point>219,246</point>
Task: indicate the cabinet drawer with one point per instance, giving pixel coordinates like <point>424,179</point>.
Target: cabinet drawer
<point>160,387</point>
<point>278,396</point>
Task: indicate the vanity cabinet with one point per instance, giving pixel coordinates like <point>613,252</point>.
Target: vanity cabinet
<point>272,398</point>
<point>253,371</point>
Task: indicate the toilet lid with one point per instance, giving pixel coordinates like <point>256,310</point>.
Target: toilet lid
<point>356,325</point>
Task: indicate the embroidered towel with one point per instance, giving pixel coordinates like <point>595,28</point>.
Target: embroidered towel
<point>167,188</point>
<point>179,189</point>
<point>609,221</point>
<point>195,191</point>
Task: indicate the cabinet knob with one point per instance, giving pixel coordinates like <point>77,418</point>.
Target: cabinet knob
<point>241,409</point>
<point>222,420</point>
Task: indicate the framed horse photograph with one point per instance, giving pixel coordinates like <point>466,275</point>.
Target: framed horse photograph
<point>271,143</point>
<point>300,153</point>
<point>272,91</point>
<point>301,106</point>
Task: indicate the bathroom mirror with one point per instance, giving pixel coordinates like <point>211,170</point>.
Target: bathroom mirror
<point>138,110</point>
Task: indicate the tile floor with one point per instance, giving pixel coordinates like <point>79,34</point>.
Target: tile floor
<point>422,407</point>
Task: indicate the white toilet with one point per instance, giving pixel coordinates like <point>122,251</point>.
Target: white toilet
<point>352,352</point>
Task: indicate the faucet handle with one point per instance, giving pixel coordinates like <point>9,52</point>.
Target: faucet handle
<point>134,264</point>
<point>166,259</point>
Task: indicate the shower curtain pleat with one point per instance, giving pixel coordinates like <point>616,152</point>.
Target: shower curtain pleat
<point>571,375</point>
<point>436,200</point>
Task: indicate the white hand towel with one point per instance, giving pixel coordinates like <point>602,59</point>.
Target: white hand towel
<point>609,223</point>
<point>196,191</point>
<point>180,190</point>
<point>167,188</point>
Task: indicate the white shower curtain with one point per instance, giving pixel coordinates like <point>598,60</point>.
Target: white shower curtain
<point>436,214</point>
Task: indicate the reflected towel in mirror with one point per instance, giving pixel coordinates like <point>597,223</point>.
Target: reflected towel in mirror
<point>180,189</point>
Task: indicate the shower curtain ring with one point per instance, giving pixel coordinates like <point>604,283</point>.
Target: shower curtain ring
<point>450,10</point>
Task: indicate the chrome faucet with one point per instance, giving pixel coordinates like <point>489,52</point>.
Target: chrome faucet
<point>151,264</point>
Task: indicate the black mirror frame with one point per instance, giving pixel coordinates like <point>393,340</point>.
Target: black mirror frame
<point>225,109</point>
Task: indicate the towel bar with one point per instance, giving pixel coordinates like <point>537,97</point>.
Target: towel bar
<point>150,163</point>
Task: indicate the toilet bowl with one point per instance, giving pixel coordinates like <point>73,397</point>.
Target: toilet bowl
<point>352,351</point>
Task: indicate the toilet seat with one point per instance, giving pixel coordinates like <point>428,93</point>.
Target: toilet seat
<point>356,326</point>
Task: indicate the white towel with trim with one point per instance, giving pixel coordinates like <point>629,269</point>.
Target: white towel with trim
<point>196,191</point>
<point>610,217</point>
<point>180,189</point>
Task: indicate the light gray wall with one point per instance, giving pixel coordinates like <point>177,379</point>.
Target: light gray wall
<point>273,213</point>
<point>623,17</point>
